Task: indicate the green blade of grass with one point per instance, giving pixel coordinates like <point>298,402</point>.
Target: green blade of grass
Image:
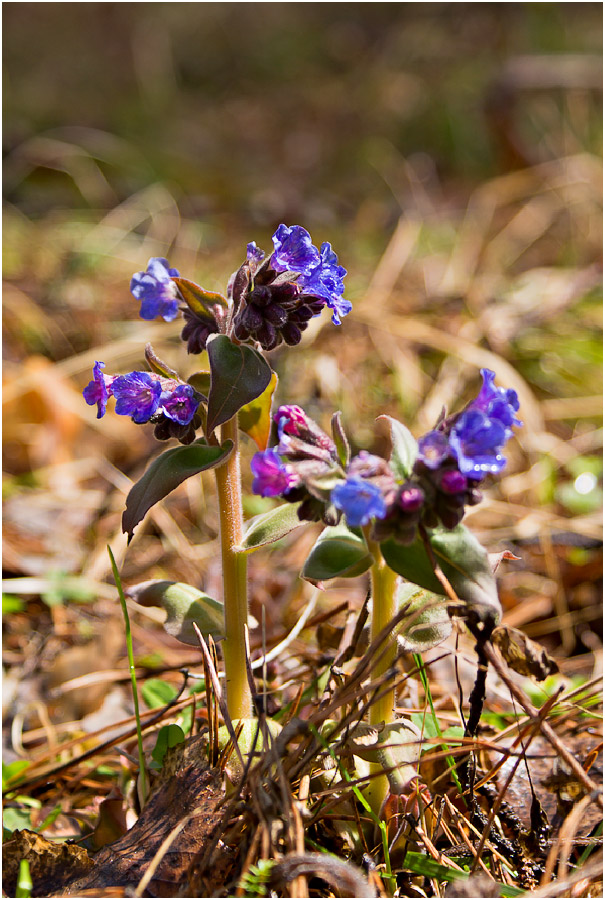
<point>427,690</point>
<point>144,789</point>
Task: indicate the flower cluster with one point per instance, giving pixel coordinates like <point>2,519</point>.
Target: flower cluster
<point>146,397</point>
<point>276,297</point>
<point>452,460</point>
<point>270,300</point>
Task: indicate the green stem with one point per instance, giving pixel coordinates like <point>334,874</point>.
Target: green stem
<point>384,609</point>
<point>235,585</point>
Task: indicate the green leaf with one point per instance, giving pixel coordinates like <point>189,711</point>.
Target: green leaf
<point>255,418</point>
<point>239,375</point>
<point>12,772</point>
<point>428,622</point>
<point>462,559</point>
<point>337,553</point>
<point>185,605</point>
<point>270,527</point>
<point>166,473</point>
<point>156,692</point>
<point>420,864</point>
<point>198,300</point>
<point>404,448</point>
<point>200,381</point>
<point>168,736</point>
<point>50,818</point>
<point>11,604</point>
<point>14,819</point>
<point>340,439</point>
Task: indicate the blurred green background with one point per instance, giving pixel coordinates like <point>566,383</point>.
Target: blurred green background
<point>258,113</point>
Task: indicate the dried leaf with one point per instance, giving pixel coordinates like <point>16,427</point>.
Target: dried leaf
<point>51,865</point>
<point>522,654</point>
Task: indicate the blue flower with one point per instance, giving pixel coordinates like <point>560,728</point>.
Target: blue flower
<point>99,389</point>
<point>360,501</point>
<point>496,402</point>
<point>180,405</point>
<point>156,290</point>
<point>433,448</point>
<point>477,441</point>
<point>138,395</point>
<point>271,476</point>
<point>326,282</point>
<point>294,250</point>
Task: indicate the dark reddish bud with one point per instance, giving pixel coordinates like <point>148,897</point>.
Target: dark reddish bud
<point>453,482</point>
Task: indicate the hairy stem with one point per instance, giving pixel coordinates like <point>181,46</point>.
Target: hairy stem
<point>384,609</point>
<point>235,584</point>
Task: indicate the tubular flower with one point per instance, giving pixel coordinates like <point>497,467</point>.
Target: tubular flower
<point>294,251</point>
<point>360,501</point>
<point>156,290</point>
<point>180,405</point>
<point>271,476</point>
<point>99,389</point>
<point>326,282</point>
<point>497,403</point>
<point>477,440</point>
<point>137,395</point>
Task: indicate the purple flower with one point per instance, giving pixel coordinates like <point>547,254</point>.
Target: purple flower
<point>360,501</point>
<point>497,403</point>
<point>180,405</point>
<point>271,476</point>
<point>156,290</point>
<point>477,440</point>
<point>433,449</point>
<point>99,390</point>
<point>326,282</point>
<point>138,395</point>
<point>254,254</point>
<point>294,250</point>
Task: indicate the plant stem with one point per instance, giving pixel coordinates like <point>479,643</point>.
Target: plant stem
<point>384,609</point>
<point>235,585</point>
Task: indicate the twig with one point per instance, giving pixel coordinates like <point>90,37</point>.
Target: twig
<point>548,732</point>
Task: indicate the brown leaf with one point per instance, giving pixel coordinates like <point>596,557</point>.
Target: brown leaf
<point>522,654</point>
<point>51,865</point>
<point>189,790</point>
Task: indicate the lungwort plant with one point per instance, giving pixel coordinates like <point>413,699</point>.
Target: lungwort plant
<point>395,517</point>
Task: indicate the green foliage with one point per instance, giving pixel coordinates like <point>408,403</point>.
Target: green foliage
<point>12,773</point>
<point>404,448</point>
<point>463,560</point>
<point>337,553</point>
<point>156,692</point>
<point>270,527</point>
<point>254,883</point>
<point>16,818</point>
<point>168,736</point>
<point>11,604</point>
<point>239,375</point>
<point>430,623</point>
<point>185,605</point>
<point>199,301</point>
<point>166,473</point>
